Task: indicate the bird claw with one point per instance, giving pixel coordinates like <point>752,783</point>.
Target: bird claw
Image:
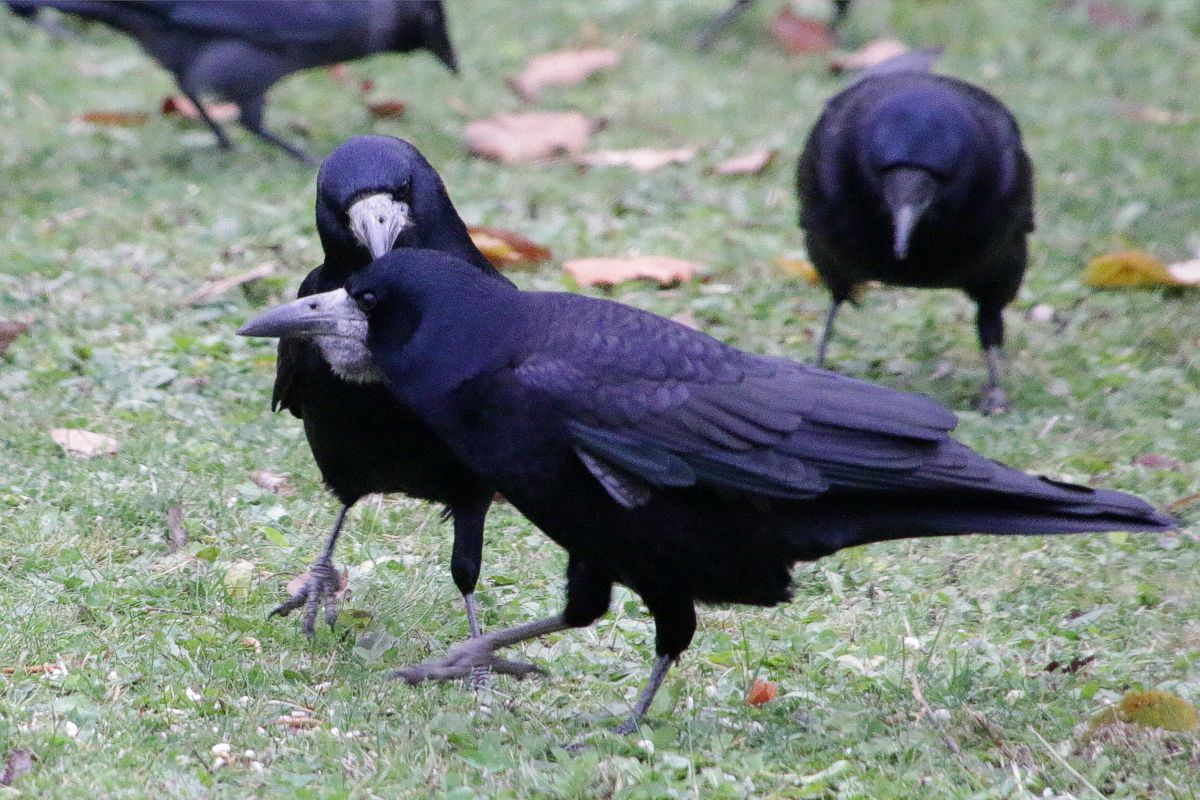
<point>320,590</point>
<point>992,400</point>
<point>471,659</point>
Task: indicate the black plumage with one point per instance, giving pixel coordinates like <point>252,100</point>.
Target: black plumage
<point>663,459</point>
<point>375,193</point>
<point>238,50</point>
<point>919,180</point>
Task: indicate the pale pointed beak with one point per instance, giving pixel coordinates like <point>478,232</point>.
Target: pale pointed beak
<point>908,192</point>
<point>377,220</point>
<point>327,314</point>
<point>903,222</point>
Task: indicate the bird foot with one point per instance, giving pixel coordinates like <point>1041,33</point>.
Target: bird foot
<point>322,589</point>
<point>992,400</point>
<point>630,725</point>
<point>466,660</point>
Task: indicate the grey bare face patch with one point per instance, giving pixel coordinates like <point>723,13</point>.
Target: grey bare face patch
<point>377,220</point>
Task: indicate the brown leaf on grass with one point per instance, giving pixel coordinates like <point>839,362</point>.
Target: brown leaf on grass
<point>115,119</point>
<point>642,159</point>
<point>800,35</point>
<point>9,331</point>
<point>1135,269</point>
<point>562,68</point>
<point>1183,503</point>
<point>176,533</point>
<point>270,481</point>
<point>296,584</point>
<point>761,693</point>
<point>220,286</point>
<point>387,109</point>
<point>1158,461</point>
<point>35,669</point>
<point>1069,667</point>
<point>873,52</point>
<point>366,85</point>
<point>800,268</point>
<point>664,270</point>
<point>1153,115</point>
<point>751,163</point>
<point>179,106</point>
<point>84,444</point>
<point>507,250</point>
<point>298,721</point>
<point>18,762</point>
<point>1103,14</point>
<point>521,138</point>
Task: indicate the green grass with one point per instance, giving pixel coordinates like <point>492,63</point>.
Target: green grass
<point>106,232</point>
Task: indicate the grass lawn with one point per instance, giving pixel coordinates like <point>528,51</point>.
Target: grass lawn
<point>918,668</point>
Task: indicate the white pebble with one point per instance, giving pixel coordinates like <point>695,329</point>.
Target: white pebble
<point>250,754</point>
<point>221,749</point>
<point>912,643</point>
<point>1042,312</point>
<point>71,729</point>
<point>647,745</point>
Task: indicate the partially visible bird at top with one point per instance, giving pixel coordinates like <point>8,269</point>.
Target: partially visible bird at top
<point>238,50</point>
<point>919,180</point>
<point>376,193</point>
<point>711,31</point>
<point>661,458</point>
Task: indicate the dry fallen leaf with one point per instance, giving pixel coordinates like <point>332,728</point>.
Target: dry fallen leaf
<point>563,68</point>
<point>507,250</point>
<point>642,159</point>
<point>1154,115</point>
<point>761,692</point>
<point>239,578</point>
<point>1158,461</point>
<point>1133,269</point>
<point>115,119</point>
<point>179,106</point>
<point>520,138</point>
<point>84,444</point>
<point>176,533</point>
<point>799,268</point>
<point>18,762</point>
<point>800,35</point>
<point>873,52</point>
<point>610,271</point>
<point>1103,14</point>
<point>9,331</point>
<point>297,584</point>
<point>252,643</point>
<point>297,721</point>
<point>750,163</point>
<point>276,484</point>
<point>387,109</point>
<point>222,285</point>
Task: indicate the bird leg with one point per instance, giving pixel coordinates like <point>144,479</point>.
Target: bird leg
<point>828,332</point>
<point>251,119</point>
<point>218,131</point>
<point>657,673</point>
<point>992,398</point>
<point>480,651</point>
<point>321,588</point>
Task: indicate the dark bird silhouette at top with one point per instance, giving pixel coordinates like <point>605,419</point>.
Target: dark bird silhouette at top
<point>919,180</point>
<point>238,50</point>
<point>661,458</point>
<point>711,31</point>
<point>375,193</point>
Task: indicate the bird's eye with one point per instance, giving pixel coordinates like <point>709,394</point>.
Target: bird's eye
<point>365,301</point>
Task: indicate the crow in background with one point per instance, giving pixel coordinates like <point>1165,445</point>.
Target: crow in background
<point>661,458</point>
<point>707,36</point>
<point>238,50</point>
<point>375,193</point>
<point>919,180</point>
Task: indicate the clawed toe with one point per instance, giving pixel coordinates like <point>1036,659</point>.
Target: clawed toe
<point>469,660</point>
<point>319,591</point>
<point>993,400</point>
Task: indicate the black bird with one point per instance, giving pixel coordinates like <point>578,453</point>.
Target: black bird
<point>375,193</point>
<point>707,36</point>
<point>919,180</point>
<point>238,50</point>
<point>661,458</point>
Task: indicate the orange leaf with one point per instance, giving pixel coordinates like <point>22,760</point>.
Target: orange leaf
<point>507,249</point>
<point>271,482</point>
<point>387,109</point>
<point>750,163</point>
<point>610,271</point>
<point>1128,269</point>
<point>643,159</point>
<point>115,119</point>
<point>873,52</point>
<point>563,68</point>
<point>799,268</point>
<point>761,692</point>
<point>178,105</point>
<point>520,138</point>
<point>800,35</point>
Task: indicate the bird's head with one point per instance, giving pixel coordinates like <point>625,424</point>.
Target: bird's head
<point>378,193</point>
<point>421,25</point>
<point>918,146</point>
<point>382,307</point>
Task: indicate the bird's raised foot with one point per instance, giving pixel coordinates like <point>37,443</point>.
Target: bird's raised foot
<point>992,400</point>
<point>464,661</point>
<point>320,590</point>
